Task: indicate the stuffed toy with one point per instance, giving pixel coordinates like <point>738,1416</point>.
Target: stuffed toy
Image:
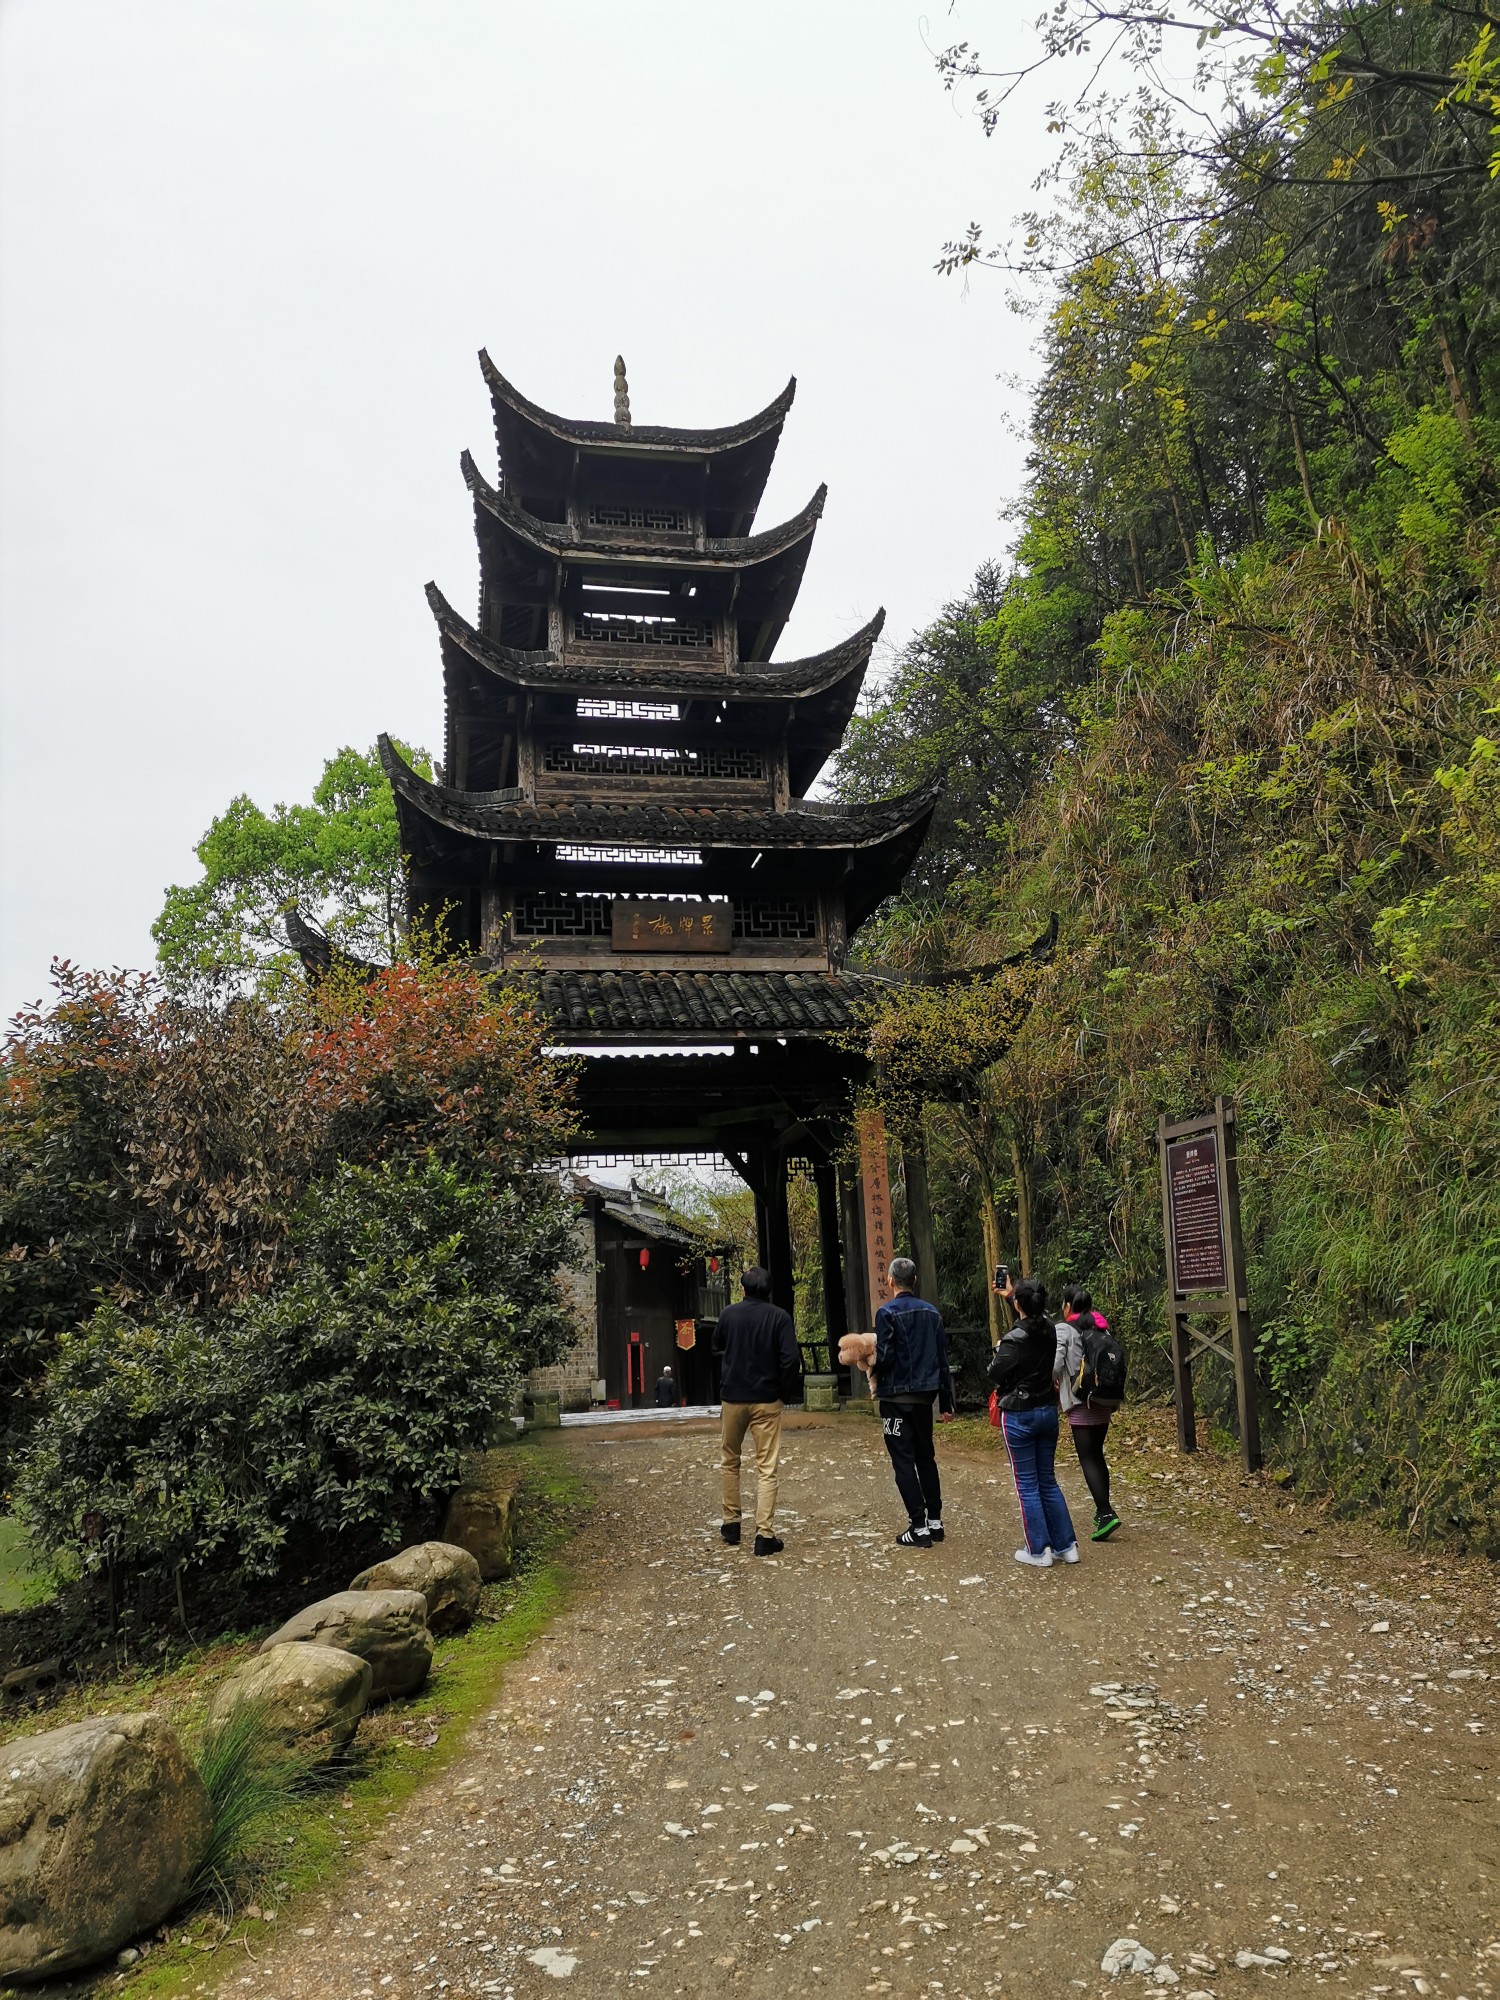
<point>857,1350</point>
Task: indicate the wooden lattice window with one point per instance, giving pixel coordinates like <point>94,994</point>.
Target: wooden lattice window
<point>604,708</point>
<point>648,857</point>
<point>652,760</point>
<point>660,520</point>
<point>618,628</point>
<point>776,920</point>
<point>555,913</point>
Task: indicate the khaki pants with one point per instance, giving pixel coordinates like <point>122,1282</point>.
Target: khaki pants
<point>763,1421</point>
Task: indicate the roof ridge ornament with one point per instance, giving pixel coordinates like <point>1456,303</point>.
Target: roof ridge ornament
<point>622,394</point>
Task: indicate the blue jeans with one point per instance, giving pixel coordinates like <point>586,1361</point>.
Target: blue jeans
<point>1031,1440</point>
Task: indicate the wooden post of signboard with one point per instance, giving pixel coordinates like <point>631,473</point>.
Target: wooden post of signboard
<point>1205,1248</point>
<point>1246,1389</point>
<point>874,1173</point>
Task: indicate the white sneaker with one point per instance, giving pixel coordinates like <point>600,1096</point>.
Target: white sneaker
<point>1043,1561</point>
<point>1068,1555</point>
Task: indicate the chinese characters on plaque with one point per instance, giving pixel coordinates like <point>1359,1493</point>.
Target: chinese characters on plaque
<point>877,1187</point>
<point>656,923</point>
<point>1197,1216</point>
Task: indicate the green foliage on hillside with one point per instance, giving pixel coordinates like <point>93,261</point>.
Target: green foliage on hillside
<point>1243,670</point>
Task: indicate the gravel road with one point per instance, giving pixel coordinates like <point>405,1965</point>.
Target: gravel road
<point>1262,1754</point>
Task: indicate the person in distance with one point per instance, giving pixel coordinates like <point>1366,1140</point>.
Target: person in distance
<point>666,1390</point>
<point>911,1374</point>
<point>1022,1370</point>
<point>761,1370</point>
<point>1088,1420</point>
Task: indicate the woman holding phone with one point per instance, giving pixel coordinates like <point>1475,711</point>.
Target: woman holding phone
<point>1022,1370</point>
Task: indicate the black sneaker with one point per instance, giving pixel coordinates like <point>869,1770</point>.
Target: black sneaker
<point>1104,1526</point>
<point>935,1529</point>
<point>768,1545</point>
<point>730,1530</point>
<point>914,1538</point>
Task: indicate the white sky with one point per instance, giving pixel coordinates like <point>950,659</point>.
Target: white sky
<point>248,251</point>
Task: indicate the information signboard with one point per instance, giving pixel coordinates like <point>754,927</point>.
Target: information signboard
<point>656,923</point>
<point>1208,1305</point>
<point>1195,1202</point>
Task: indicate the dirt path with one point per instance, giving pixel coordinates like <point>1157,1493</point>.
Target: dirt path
<point>854,1770</point>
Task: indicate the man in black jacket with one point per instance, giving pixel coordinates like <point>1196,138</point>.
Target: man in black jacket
<point>761,1370</point>
<point>911,1374</point>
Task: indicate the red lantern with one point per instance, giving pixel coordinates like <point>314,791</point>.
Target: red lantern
<point>713,1265</point>
<point>645,1259</point>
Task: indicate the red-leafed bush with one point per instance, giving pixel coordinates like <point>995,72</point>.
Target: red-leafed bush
<point>156,1149</point>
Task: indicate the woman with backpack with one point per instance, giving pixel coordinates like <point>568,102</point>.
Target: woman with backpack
<point>1087,1363</point>
<point>1022,1370</point>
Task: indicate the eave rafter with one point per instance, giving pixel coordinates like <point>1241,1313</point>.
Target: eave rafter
<point>562,543</point>
<point>807,824</point>
<point>769,680</point>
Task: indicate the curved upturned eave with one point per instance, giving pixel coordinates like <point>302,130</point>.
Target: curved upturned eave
<point>789,680</point>
<point>729,552</point>
<point>859,829</point>
<point>635,437</point>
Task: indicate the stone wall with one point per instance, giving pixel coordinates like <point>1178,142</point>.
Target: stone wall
<point>573,1377</point>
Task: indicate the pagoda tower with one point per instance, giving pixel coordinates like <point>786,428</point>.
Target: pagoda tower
<point>625,812</point>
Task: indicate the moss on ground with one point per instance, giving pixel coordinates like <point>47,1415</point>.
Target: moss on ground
<point>399,1747</point>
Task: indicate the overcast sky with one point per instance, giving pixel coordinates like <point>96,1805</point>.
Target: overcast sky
<point>247,255</point>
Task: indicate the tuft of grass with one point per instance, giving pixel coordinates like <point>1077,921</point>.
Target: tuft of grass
<point>252,1780</point>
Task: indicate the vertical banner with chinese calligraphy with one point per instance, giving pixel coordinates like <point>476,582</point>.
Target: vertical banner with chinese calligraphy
<point>875,1176</point>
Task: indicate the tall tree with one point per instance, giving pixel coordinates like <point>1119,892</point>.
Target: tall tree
<point>337,859</point>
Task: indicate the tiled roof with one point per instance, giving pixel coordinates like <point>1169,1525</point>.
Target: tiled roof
<point>631,437</point>
<point>558,539</point>
<point>685,1005</point>
<point>668,675</point>
<point>808,823</point>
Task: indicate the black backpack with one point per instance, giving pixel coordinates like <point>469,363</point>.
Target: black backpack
<point>1100,1381</point>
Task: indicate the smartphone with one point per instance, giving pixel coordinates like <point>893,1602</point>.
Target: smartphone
<point>1002,1277</point>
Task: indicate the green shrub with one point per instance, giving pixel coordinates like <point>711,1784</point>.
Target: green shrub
<point>315,1416</point>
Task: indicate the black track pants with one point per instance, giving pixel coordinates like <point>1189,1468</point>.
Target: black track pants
<point>1088,1442</point>
<point>908,1439</point>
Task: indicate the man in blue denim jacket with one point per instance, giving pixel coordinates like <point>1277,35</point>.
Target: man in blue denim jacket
<point>911,1374</point>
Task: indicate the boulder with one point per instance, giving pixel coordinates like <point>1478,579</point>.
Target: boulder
<point>479,1520</point>
<point>386,1627</point>
<point>102,1827</point>
<point>447,1576</point>
<point>310,1694</point>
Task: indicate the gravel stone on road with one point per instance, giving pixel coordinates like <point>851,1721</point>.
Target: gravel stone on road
<point>854,1769</point>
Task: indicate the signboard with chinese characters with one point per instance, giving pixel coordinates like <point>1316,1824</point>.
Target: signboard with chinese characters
<point>656,923</point>
<point>1208,1303</point>
<point>875,1177</point>
<point>1195,1201</point>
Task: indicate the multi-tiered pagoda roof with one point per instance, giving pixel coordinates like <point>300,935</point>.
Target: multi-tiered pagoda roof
<point>624,806</point>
